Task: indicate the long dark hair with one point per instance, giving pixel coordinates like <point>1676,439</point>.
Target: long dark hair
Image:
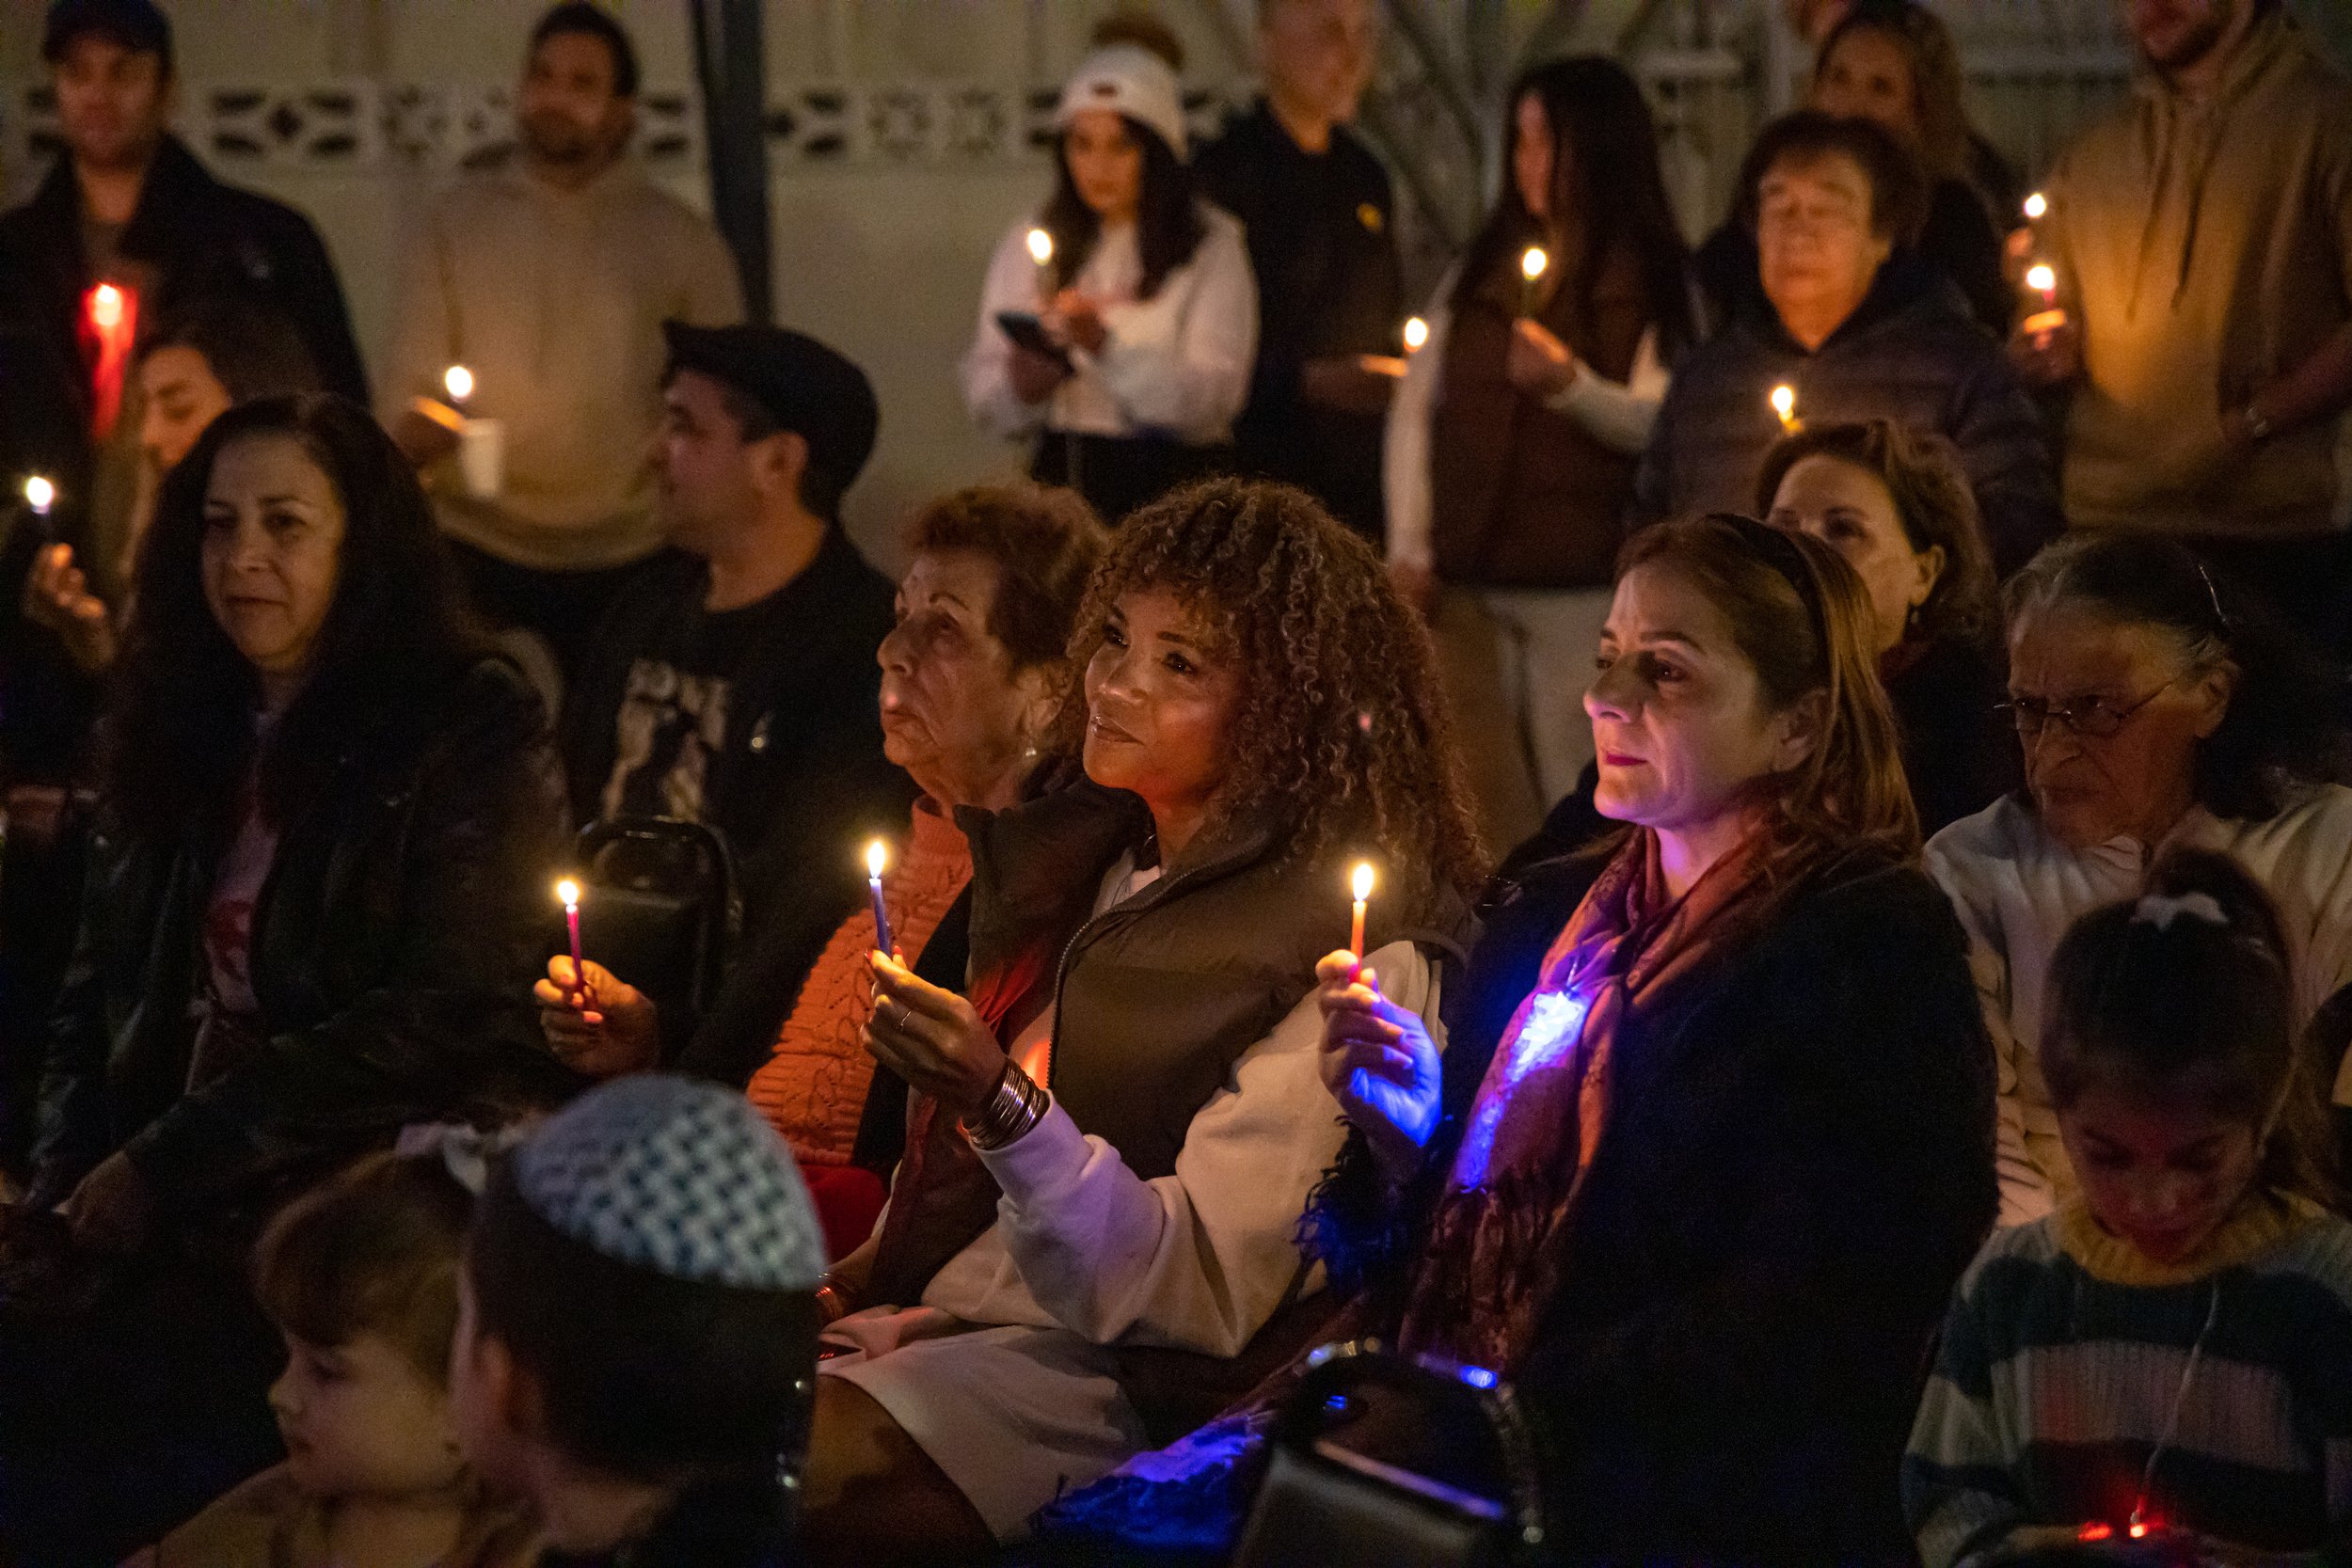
<point>180,732</point>
<point>1169,226</point>
<point>1604,167</point>
<point>2156,996</point>
<point>2284,731</point>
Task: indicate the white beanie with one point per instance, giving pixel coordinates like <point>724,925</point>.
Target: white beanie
<point>1127,79</point>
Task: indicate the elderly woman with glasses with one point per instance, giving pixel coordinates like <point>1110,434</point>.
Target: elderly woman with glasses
<point>2154,710</point>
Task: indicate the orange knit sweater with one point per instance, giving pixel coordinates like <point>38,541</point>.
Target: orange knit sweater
<point>812,1088</point>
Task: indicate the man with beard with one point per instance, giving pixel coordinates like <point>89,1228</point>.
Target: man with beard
<point>2201,240</point>
<point>126,230</point>
<point>548,278</point>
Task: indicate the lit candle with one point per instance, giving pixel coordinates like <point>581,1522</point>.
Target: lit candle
<point>2037,205</point>
<point>1042,252</point>
<point>110,314</point>
<point>1784,405</point>
<point>1532,265</point>
<point>1416,334</point>
<point>2042,278</point>
<point>457,382</point>
<point>39,495</point>
<point>1360,885</point>
<point>877,856</point>
<point>569,891</point>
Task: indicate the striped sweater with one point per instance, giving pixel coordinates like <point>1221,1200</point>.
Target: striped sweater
<point>2063,1355</point>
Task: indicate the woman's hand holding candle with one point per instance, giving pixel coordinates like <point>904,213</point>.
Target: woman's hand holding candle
<point>58,596</point>
<point>1537,362</point>
<point>1379,1063</point>
<point>933,1039</point>
<point>596,1023</point>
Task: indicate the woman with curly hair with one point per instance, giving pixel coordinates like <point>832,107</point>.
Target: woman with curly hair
<point>1114,1137</point>
<point>1712,1138</point>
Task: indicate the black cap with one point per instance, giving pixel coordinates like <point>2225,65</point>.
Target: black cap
<point>136,24</point>
<point>814,391</point>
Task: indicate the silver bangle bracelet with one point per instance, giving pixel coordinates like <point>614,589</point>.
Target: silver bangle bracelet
<point>1017,1105</point>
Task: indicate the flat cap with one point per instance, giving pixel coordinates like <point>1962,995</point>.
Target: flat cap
<point>815,391</point>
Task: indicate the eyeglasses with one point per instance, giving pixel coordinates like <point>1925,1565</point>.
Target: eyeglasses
<point>2093,716</point>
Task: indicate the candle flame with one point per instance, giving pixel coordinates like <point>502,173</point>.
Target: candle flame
<point>40,493</point>
<point>1416,333</point>
<point>2042,277</point>
<point>459,382</point>
<point>2035,206</point>
<point>1785,402</point>
<point>1040,246</point>
<point>877,856</point>
<point>1533,263</point>
<point>568,892</point>
<point>105,307</point>
<point>1361,881</point>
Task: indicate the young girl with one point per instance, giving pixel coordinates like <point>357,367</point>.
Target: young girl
<point>360,1277</point>
<point>2171,1353</point>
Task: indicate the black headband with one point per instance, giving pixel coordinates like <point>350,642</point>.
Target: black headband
<point>1786,557</point>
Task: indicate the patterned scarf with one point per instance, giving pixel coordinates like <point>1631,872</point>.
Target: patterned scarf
<point>1487,1275</point>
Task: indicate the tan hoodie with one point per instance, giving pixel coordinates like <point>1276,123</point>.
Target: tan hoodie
<point>2206,249</point>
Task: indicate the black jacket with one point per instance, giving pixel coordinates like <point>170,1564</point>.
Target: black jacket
<point>1322,231</point>
<point>1909,352</point>
<point>1796,1166</point>
<point>394,944</point>
<point>1960,753</point>
<point>205,238</point>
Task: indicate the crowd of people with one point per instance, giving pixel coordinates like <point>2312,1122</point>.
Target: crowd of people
<point>1835,738</point>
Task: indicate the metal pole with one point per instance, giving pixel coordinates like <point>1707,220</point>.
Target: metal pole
<point>730,62</point>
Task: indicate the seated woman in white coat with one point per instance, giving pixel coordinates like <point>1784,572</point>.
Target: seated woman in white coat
<point>1115,1129</point>
<point>2155,709</point>
<point>1143,306</point>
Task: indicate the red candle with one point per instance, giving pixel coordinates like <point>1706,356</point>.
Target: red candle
<point>569,891</point>
<point>110,319</point>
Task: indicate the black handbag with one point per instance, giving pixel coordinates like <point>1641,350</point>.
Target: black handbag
<point>1383,1461</point>
<point>660,909</point>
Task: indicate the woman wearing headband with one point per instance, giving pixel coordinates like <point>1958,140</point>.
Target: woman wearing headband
<point>2155,709</point>
<point>1711,1140</point>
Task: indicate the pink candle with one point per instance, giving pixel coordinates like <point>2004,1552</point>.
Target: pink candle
<point>569,891</point>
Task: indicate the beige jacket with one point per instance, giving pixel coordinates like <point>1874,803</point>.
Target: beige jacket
<point>555,299</point>
<point>2206,249</point>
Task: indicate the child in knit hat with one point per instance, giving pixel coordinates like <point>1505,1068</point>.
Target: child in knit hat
<point>360,1276</point>
<point>637,1332</point>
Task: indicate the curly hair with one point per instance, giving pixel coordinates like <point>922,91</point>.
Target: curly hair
<point>1922,473</point>
<point>2282,732</point>
<point>1342,737</point>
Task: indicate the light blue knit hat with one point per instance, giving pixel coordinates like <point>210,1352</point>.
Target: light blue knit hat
<point>676,1176</point>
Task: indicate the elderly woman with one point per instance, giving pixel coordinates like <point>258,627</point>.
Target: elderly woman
<point>1856,328</point>
<point>2155,710</point>
<point>1114,1139</point>
<point>1712,1140</point>
<point>972,681</point>
<point>1895,506</point>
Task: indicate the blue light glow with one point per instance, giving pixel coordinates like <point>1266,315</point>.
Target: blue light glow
<point>1554,1021</point>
